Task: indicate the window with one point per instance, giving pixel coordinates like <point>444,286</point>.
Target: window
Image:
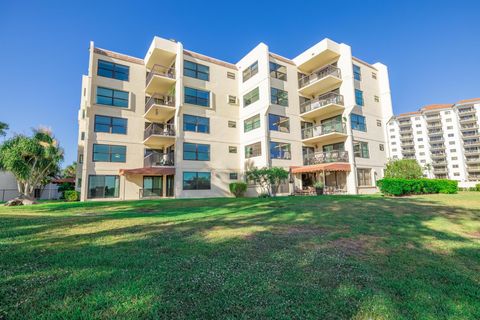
<point>422,153</point>
<point>278,71</point>
<point>447,112</point>
<point>196,124</point>
<point>152,186</point>
<point>111,97</point>
<point>453,150</point>
<point>382,147</point>
<point>230,75</point>
<point>103,186</point>
<point>232,149</point>
<point>80,158</point>
<point>392,130</point>
<point>450,135</point>
<point>357,75</point>
<point>451,142</point>
<point>421,146</point>
<point>196,180</point>
<point>374,75</point>
<point>280,150</point>
<point>197,97</point>
<point>449,127</point>
<point>195,70</point>
<point>233,176</point>
<point>448,120</point>
<point>109,153</point>
<point>394,150</point>
<point>232,124</point>
<point>454,158</point>
<point>253,150</point>
<point>358,122</point>
<point>364,177</point>
<point>250,71</point>
<point>110,125</point>
<point>82,135</point>
<point>196,151</point>
<point>422,161</point>
<point>419,132</point>
<point>251,97</point>
<point>455,166</point>
<point>379,123</point>
<point>376,98</point>
<point>79,182</point>
<point>251,123</point>
<point>232,99</point>
<point>279,97</point>
<point>112,70</point>
<point>418,125</point>
<point>394,143</point>
<point>278,123</point>
<point>420,139</point>
<point>360,149</point>
<point>456,174</point>
<point>417,118</point>
<point>359,97</point>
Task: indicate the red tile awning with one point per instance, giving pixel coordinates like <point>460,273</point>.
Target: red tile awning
<point>148,171</point>
<point>322,167</point>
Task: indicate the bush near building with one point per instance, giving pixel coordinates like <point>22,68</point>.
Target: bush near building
<point>238,188</point>
<point>401,187</point>
<point>71,195</point>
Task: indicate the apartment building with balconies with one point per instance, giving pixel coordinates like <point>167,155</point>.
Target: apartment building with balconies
<point>444,138</point>
<point>181,124</point>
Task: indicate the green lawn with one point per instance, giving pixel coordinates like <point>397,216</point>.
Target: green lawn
<point>329,257</point>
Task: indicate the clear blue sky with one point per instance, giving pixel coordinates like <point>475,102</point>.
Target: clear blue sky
<point>432,48</point>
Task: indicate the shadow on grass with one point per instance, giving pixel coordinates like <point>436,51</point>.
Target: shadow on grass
<point>297,257</point>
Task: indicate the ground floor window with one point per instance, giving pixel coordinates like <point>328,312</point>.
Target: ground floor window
<point>103,186</point>
<point>364,177</point>
<point>152,186</point>
<point>196,180</point>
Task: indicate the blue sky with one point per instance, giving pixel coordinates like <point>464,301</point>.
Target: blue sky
<point>432,48</point>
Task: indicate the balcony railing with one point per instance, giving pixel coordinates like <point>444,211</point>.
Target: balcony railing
<point>434,125</point>
<point>438,154</point>
<point>406,130</point>
<point>404,122</point>
<point>472,151</point>
<point>474,177</point>
<point>436,140</point>
<point>160,100</point>
<point>435,132</point>
<point>474,159</point>
<point>321,101</point>
<point>326,157</point>
<point>471,142</point>
<point>158,159</point>
<point>324,129</point>
<point>151,193</point>
<point>406,136</point>
<point>320,74</point>
<point>439,163</point>
<point>408,143</point>
<point>433,116</point>
<point>468,118</point>
<point>469,126</point>
<point>437,146</point>
<point>159,129</point>
<point>466,110</point>
<point>159,70</point>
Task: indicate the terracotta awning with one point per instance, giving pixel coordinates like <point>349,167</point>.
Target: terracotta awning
<point>322,167</point>
<point>148,171</point>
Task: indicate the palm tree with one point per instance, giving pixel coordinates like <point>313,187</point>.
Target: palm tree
<point>3,128</point>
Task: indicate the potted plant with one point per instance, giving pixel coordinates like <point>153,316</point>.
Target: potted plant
<point>318,185</point>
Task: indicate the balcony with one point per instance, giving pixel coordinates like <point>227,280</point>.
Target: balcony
<point>437,147</point>
<point>470,126</point>
<point>471,143</point>
<point>406,130</point>
<point>472,159</point>
<point>468,119</point>
<point>437,140</point>
<point>466,111</point>
<point>435,132</point>
<point>470,134</point>
<point>327,103</point>
<point>325,157</point>
<point>408,143</point>
<point>439,163</point>
<point>438,155</point>
<point>431,117</point>
<point>159,134</point>
<point>159,79</point>
<point>472,151</point>
<point>474,177</point>
<point>320,81</point>
<point>404,122</point>
<point>436,124</point>
<point>406,137</point>
<point>160,108</point>
<point>158,159</point>
<point>324,132</point>
<point>442,170</point>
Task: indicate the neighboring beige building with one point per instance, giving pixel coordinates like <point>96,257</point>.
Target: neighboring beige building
<point>181,124</point>
<point>444,138</point>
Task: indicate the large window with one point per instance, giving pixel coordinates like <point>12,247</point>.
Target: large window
<point>196,151</point>
<point>195,70</point>
<point>364,177</point>
<point>359,97</point>
<point>109,153</point>
<point>103,186</point>
<point>196,180</point>
<point>113,70</point>
<point>111,97</point>
<point>251,123</point>
<point>278,123</point>
<point>253,150</point>
<point>280,150</point>
<point>250,71</point>
<point>197,97</point>
<point>251,97</point>
<point>360,149</point>
<point>110,124</point>
<point>152,186</point>
<point>358,122</point>
<point>279,97</point>
<point>278,71</point>
<point>357,75</point>
<point>196,123</point>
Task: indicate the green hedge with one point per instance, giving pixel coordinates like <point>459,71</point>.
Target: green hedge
<point>400,187</point>
<point>238,188</point>
<point>71,195</point>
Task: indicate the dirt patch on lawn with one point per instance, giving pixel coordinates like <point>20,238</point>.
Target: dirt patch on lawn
<point>358,246</point>
<point>299,230</point>
<point>475,235</point>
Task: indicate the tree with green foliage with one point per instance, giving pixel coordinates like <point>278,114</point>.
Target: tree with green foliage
<point>70,171</point>
<point>3,129</point>
<point>403,169</point>
<point>34,160</point>
<point>269,179</point>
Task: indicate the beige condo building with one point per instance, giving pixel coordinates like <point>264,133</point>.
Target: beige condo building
<point>180,124</point>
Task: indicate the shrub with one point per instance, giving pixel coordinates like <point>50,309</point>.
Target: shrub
<point>477,186</point>
<point>238,188</point>
<point>403,169</point>
<point>400,187</point>
<point>71,195</point>
<point>472,189</point>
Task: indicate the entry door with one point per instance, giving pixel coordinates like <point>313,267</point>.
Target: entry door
<point>152,186</point>
<point>170,186</point>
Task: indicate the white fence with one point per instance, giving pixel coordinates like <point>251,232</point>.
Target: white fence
<point>48,193</point>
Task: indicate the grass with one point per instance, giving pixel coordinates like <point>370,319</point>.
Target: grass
<point>329,257</point>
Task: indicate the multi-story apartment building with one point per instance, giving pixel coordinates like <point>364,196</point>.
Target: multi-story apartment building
<point>444,138</point>
<point>180,124</point>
